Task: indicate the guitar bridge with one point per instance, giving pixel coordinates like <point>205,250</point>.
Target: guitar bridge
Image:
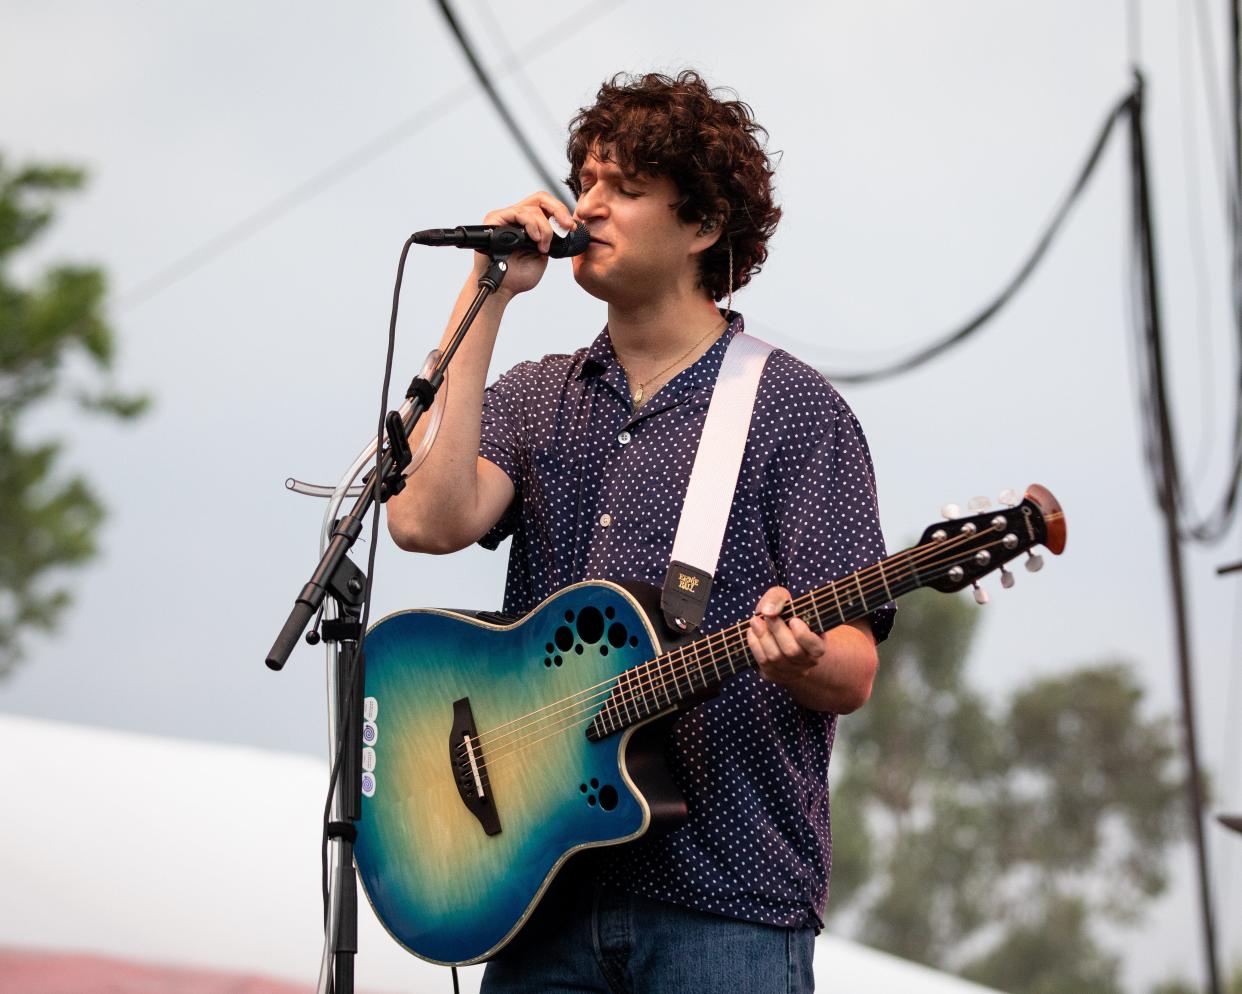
<point>470,769</point>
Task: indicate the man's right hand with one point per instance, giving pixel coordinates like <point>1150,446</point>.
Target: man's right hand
<point>526,268</point>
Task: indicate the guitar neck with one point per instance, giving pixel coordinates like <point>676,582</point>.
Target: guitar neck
<point>949,557</point>
<point>670,680</point>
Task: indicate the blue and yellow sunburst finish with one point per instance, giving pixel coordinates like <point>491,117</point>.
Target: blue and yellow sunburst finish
<point>443,888</point>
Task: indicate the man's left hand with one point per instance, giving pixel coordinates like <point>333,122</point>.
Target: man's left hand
<point>829,672</point>
<point>785,651</point>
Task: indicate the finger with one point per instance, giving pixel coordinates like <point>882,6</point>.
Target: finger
<point>769,651</point>
<point>773,602</point>
<point>535,221</point>
<point>554,208</point>
<point>756,646</point>
<point>810,643</point>
<point>786,643</point>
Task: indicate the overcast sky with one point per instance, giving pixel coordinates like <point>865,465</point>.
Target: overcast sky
<point>923,148</point>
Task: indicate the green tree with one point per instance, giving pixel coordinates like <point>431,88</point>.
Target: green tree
<point>985,839</point>
<point>50,520</point>
<point>1232,986</point>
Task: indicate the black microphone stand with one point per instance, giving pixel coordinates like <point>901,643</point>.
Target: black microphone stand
<point>338,577</point>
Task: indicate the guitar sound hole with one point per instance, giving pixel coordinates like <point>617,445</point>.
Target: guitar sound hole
<point>564,638</point>
<point>608,797</point>
<point>617,634</point>
<point>590,625</point>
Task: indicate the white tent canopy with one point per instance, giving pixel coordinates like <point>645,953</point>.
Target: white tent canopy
<point>206,855</point>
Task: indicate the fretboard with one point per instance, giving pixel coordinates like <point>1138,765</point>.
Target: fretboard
<point>671,679</point>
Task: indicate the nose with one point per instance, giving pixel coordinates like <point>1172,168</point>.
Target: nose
<point>591,205</point>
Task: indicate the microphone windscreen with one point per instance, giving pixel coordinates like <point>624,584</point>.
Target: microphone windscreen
<point>575,243</point>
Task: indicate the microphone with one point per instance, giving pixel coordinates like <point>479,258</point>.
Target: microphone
<point>504,238</point>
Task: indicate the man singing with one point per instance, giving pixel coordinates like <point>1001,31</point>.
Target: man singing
<point>584,460</point>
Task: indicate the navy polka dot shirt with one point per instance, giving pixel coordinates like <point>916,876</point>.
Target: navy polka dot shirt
<point>599,489</point>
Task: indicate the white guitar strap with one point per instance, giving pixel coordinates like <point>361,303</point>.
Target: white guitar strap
<point>713,480</point>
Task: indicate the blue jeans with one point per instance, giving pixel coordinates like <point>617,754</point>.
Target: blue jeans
<point>598,940</point>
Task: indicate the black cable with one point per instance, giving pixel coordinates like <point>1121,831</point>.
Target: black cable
<point>1161,446</point>
<point>501,109</point>
<point>275,209</point>
<point>357,657</point>
<point>1015,283</point>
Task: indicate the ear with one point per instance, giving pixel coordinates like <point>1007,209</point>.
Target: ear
<point>708,235</point>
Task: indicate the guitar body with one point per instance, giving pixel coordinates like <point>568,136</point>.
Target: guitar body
<point>454,855</point>
<point>496,749</point>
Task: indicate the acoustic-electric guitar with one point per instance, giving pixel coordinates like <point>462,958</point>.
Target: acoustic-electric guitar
<point>496,748</point>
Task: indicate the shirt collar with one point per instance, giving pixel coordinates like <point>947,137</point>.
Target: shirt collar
<point>601,360</point>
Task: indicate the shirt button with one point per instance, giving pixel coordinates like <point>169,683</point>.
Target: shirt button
<point>624,438</point>
<point>605,520</point>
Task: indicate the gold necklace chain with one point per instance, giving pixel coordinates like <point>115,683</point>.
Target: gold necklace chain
<point>638,394</point>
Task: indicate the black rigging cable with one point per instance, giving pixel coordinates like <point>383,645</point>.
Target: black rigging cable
<point>485,81</point>
<point>1007,293</point>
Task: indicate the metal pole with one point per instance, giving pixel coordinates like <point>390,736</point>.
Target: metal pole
<point>1168,488</point>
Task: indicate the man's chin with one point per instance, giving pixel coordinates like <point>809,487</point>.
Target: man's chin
<point>590,280</point>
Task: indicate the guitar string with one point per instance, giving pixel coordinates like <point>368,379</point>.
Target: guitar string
<point>679,668</point>
<point>613,683</point>
<point>651,668</point>
<point>514,748</point>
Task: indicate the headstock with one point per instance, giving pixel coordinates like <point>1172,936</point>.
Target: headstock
<point>961,550</point>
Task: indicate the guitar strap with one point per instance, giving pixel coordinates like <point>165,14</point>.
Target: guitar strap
<point>713,480</point>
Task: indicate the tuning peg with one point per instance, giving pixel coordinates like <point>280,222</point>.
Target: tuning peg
<point>950,511</point>
<point>1034,563</point>
<point>981,595</point>
<point>979,504</point>
<point>1008,498</point>
<point>1006,578</point>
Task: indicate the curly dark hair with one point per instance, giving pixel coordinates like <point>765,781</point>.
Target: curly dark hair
<point>710,148</point>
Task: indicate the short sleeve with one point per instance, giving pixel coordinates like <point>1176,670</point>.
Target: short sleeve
<point>500,442</point>
<point>822,502</point>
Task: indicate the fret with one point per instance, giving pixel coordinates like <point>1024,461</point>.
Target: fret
<point>640,693</point>
<point>815,607</point>
<point>700,651</point>
<point>693,665</point>
<point>836,597</point>
<point>681,667</point>
<point>611,708</point>
<point>862,597</point>
<point>728,654</point>
<point>909,561</point>
<point>741,648</point>
<point>627,699</point>
<point>711,655</point>
<point>660,668</point>
<point>883,579</point>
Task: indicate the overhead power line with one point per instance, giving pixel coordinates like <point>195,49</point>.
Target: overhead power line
<point>347,165</point>
<point>485,81</point>
<point>949,341</point>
